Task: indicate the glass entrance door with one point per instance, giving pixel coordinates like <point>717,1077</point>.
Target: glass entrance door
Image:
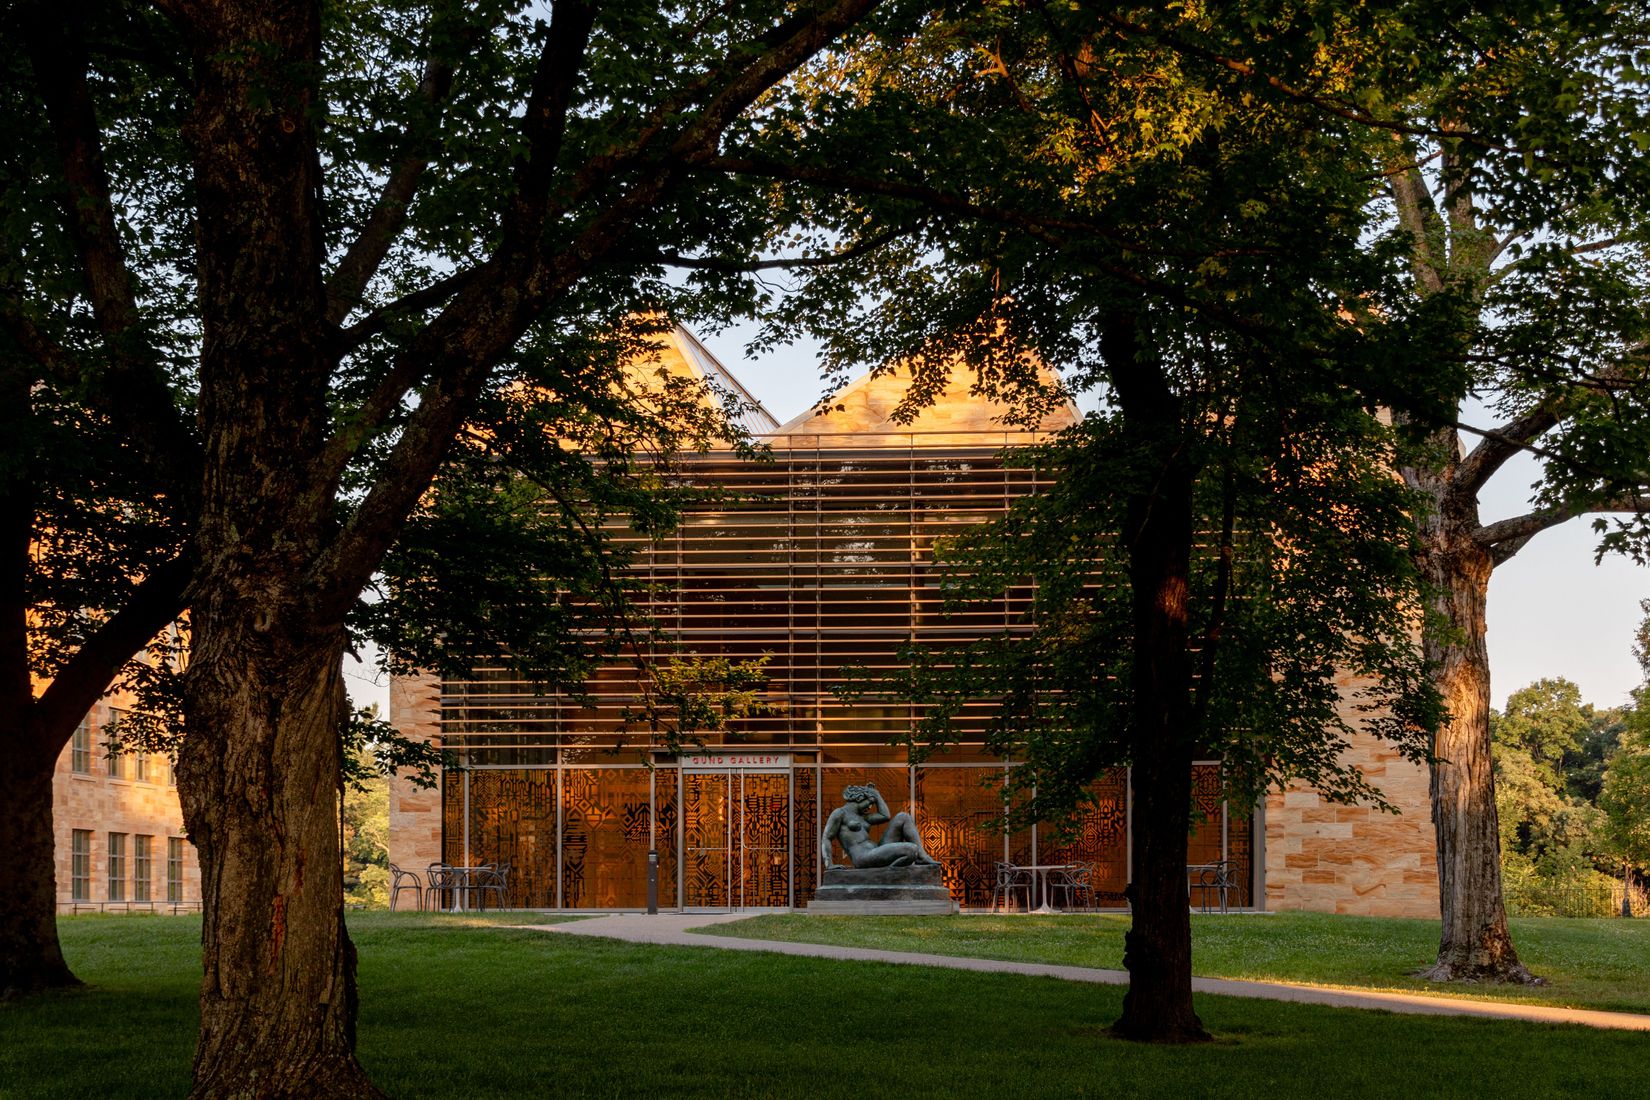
<point>736,839</point>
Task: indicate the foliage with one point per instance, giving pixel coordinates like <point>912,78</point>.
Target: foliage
<point>1309,582</point>
<point>1540,735</point>
<point>691,695</point>
<point>1561,839</point>
<point>366,820</point>
<point>1563,882</point>
<point>1106,194</point>
<point>1625,800</point>
<point>1547,722</point>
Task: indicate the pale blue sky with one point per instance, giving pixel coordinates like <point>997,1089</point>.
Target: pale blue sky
<point>1552,612</point>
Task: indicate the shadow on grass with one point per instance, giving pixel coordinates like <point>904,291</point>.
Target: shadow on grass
<point>496,1012</point>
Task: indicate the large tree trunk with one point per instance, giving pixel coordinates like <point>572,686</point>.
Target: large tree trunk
<point>260,775</point>
<point>1159,529</point>
<point>1158,947</point>
<point>31,959</point>
<point>1474,944</point>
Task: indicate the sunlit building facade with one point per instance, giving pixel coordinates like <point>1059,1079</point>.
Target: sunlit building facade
<point>819,561</point>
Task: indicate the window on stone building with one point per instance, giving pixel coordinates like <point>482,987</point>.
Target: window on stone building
<point>174,869</point>
<point>80,747</point>
<point>143,869</point>
<point>80,865</point>
<point>117,867</point>
<point>140,767</point>
<point>118,768</point>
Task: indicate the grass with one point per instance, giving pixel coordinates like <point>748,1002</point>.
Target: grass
<point>1603,964</point>
<point>450,1008</point>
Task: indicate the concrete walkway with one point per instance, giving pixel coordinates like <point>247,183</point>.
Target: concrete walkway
<point>676,930</point>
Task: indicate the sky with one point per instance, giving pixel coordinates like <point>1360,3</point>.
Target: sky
<point>1552,611</point>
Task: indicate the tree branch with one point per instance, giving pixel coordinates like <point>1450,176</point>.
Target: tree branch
<point>154,602</point>
<point>481,324</point>
<point>731,266</point>
<point>1506,537</point>
<point>1418,215</point>
<point>1497,445</point>
<point>414,302</point>
<point>132,389</point>
<point>364,257</point>
<point>561,59</point>
<point>53,359</point>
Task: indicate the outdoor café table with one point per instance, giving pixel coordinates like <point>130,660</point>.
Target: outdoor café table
<point>463,882</point>
<point>1041,870</point>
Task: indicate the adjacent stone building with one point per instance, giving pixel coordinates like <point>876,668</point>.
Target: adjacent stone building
<point>120,841</point>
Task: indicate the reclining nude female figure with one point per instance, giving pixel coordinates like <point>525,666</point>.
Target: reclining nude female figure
<point>850,825</point>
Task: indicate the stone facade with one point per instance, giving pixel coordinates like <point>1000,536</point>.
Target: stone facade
<point>138,804</point>
<point>415,813</point>
<point>1330,858</point>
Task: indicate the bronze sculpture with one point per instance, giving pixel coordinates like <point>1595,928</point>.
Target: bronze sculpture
<point>850,825</point>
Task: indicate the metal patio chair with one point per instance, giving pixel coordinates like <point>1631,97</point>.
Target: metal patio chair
<point>441,879</point>
<point>1218,878</point>
<point>405,880</point>
<point>1072,886</point>
<point>1009,879</point>
<point>493,878</point>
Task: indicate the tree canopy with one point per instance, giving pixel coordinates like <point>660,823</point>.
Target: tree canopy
<point>287,253</point>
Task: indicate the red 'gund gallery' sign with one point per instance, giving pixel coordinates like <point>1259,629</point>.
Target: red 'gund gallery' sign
<point>716,760</point>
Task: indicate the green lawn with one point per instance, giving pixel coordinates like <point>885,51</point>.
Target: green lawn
<point>454,1009</point>
<point>1587,963</point>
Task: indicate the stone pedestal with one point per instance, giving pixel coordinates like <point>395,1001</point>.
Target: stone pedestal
<point>913,891</point>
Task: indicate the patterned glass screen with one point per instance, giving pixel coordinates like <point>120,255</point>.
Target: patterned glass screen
<point>1098,839</point>
<point>604,841</point>
<point>954,808</point>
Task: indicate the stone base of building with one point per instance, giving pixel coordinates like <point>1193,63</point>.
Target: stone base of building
<point>880,891</point>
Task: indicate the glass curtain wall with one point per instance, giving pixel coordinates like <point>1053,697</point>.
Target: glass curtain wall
<point>819,562</point>
<point>588,848</point>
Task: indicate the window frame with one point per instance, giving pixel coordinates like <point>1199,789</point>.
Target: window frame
<point>116,867</point>
<point>143,867</point>
<point>174,869</point>
<point>80,748</point>
<point>80,865</point>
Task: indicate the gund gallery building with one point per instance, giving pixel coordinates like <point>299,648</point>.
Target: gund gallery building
<point>820,560</point>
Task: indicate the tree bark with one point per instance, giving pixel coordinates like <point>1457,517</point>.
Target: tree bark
<point>260,779</point>
<point>1158,946</point>
<point>1474,944</point>
<point>31,959</point>
<point>263,697</point>
<point>1159,527</point>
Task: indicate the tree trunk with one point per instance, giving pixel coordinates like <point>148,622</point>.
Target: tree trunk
<point>263,695</point>
<point>1158,947</point>
<point>260,781</point>
<point>31,960</point>
<point>1474,944</point>
<point>1157,537</point>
